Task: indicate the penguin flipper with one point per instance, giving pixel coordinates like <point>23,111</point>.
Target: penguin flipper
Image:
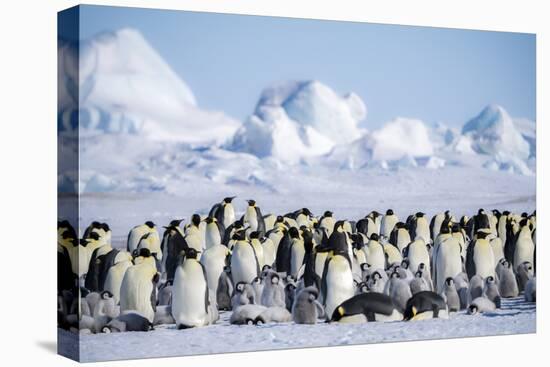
<point>206,293</point>
<point>324,282</point>
<point>470,263</point>
<point>215,210</point>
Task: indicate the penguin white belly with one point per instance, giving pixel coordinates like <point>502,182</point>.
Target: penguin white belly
<point>213,260</point>
<point>418,254</point>
<point>188,295</point>
<point>423,230</point>
<point>212,236</point>
<point>251,218</point>
<point>243,263</point>
<point>484,260</point>
<point>353,319</point>
<point>228,216</point>
<point>114,278</point>
<point>394,316</point>
<point>296,258</point>
<point>376,257</point>
<point>269,252</point>
<point>320,260</point>
<point>448,262</point>
<point>498,249</point>
<point>259,250</point>
<point>426,315</point>
<point>194,240</point>
<point>136,289</point>
<point>525,249</point>
<point>339,284</point>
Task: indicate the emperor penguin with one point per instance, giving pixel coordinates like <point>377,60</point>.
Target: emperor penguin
<point>327,221</point>
<point>388,222</point>
<point>297,252</point>
<point>425,305</point>
<point>367,226</point>
<point>400,236</point>
<point>507,283</point>
<point>193,234</point>
<point>337,280</point>
<point>418,284</point>
<point>501,225</point>
<point>309,276</point>
<point>224,212</point>
<point>214,259</point>
<point>417,253</point>
<point>525,248</point>
<point>273,315</point>
<point>116,273</point>
<point>451,296</point>
<point>436,222</point>
<point>273,293</point>
<point>366,307</point>
<point>214,232</point>
<point>151,241</point>
<point>246,314</point>
<point>191,301</point>
<point>136,233</point>
<point>463,288</point>
<point>253,217</point>
<point>269,250</point>
<point>258,248</point>
<point>306,308</point>
<point>282,258</point>
<point>524,272</point>
<point>374,253</point>
<point>244,262</point>
<point>476,286</point>
<point>303,218</point>
<point>138,289</point>
<point>420,227</point>
<point>447,263</point>
<point>480,259</point>
<point>173,243</point>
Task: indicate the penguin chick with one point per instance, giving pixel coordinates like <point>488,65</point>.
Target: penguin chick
<point>399,291</point>
<point>462,286</point>
<point>165,294</point>
<point>306,308</point>
<point>273,293</point>
<point>244,294</point>
<point>476,287</point>
<point>507,285</point>
<point>163,316</point>
<point>290,295</point>
<point>451,295</point>
<point>246,314</point>
<point>225,289</point>
<point>481,305</point>
<point>490,290</point>
<point>419,284</point>
<point>524,273</point>
<point>273,315</point>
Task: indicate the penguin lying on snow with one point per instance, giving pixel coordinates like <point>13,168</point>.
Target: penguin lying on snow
<point>366,307</point>
<point>481,305</point>
<point>128,322</point>
<point>425,305</point>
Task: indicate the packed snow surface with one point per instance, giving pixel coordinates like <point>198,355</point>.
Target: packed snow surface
<point>515,317</point>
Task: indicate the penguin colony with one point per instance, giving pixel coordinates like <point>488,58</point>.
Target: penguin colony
<point>295,267</point>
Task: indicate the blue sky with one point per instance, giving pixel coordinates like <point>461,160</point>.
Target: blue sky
<point>434,74</point>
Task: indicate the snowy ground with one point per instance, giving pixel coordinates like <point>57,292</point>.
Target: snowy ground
<point>515,317</point>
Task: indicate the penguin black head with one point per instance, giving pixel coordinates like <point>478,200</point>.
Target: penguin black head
<point>191,253</point>
<point>280,219</point>
<point>389,212</point>
<point>338,313</point>
<point>293,232</point>
<point>524,215</point>
<point>150,224</point>
<point>490,279</point>
<point>365,266</point>
<point>240,286</point>
<point>63,224</point>
<point>376,276</point>
<point>94,236</point>
<point>480,211</point>
<point>291,287</point>
<point>255,235</point>
<point>445,230</point>
<point>105,227</point>
<point>506,213</point>
<point>266,267</point>
<point>374,237</point>
<point>422,266</point>
<point>455,228</point>
<point>418,274</point>
<point>175,222</point>
<point>405,263</point>
<point>395,274</point>
<point>523,222</point>
<point>472,310</point>
<point>306,211</point>
<point>449,281</point>
<point>209,220</point>
<point>144,252</point>
<point>328,213</point>
<point>257,280</point>
<point>83,242</point>
<point>275,278</point>
<point>229,199</point>
<point>313,294</point>
<point>481,234</point>
<point>251,202</point>
<point>419,215</point>
<point>106,295</point>
<point>239,235</point>
<point>196,220</point>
